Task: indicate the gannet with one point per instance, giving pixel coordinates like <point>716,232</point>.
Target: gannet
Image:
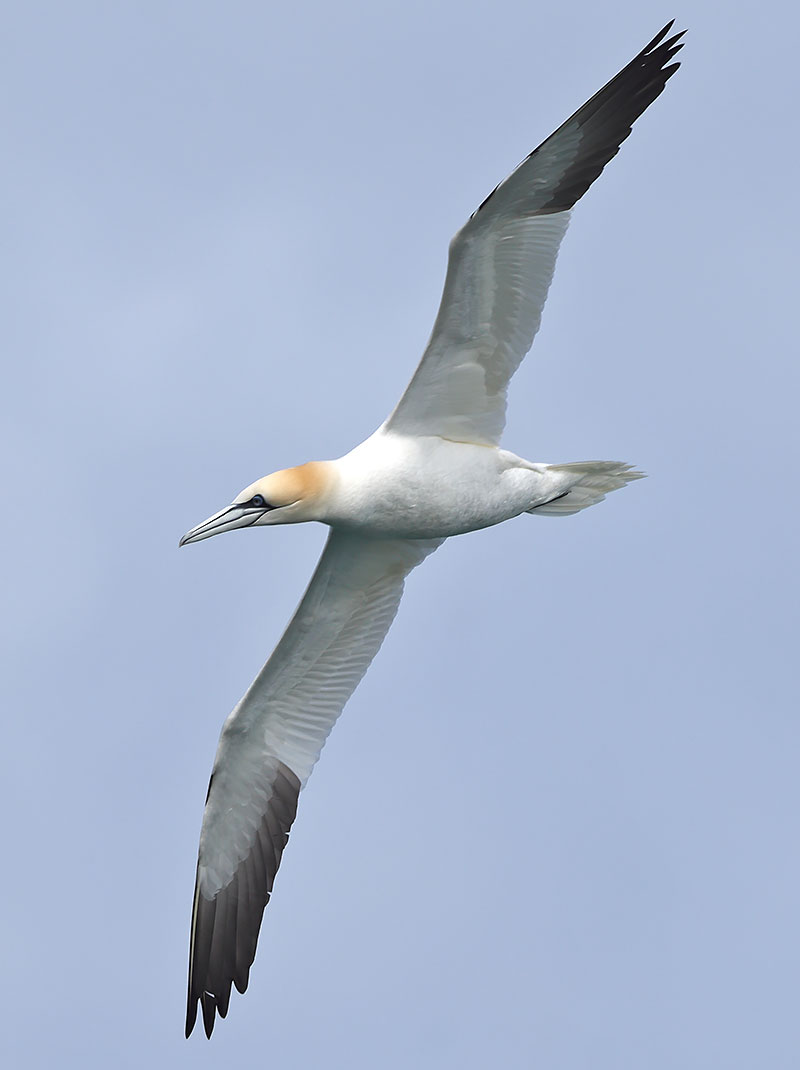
<point>433,469</point>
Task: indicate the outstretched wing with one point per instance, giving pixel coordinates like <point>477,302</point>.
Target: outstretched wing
<point>502,261</point>
<point>269,745</point>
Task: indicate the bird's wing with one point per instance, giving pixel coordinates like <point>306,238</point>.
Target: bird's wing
<point>502,261</point>
<point>268,748</point>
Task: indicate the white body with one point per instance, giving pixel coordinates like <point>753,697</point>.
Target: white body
<point>426,487</point>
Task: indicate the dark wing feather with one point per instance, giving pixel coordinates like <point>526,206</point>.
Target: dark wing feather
<point>604,122</point>
<point>225,928</point>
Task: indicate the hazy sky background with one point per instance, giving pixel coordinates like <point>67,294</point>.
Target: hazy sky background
<point>557,825</point>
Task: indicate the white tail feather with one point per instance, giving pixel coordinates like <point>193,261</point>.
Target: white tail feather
<point>584,483</point>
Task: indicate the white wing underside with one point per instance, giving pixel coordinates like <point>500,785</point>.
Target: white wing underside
<point>292,705</point>
<point>500,268</point>
<point>502,261</point>
<point>271,742</point>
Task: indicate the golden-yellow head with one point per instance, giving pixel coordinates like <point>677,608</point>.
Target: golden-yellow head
<point>290,496</point>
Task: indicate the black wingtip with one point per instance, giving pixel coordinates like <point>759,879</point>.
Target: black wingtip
<point>606,119</point>
<point>662,33</point>
<point>659,40</point>
<point>665,49</point>
<point>224,929</point>
<point>208,1005</point>
<point>191,1018</point>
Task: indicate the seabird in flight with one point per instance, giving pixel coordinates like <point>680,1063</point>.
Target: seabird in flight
<point>432,470</point>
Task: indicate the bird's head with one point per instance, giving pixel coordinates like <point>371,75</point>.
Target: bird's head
<point>286,497</point>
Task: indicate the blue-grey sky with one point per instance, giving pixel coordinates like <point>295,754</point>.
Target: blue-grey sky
<point>557,824</point>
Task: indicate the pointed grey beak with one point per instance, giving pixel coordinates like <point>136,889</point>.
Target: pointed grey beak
<point>233,516</point>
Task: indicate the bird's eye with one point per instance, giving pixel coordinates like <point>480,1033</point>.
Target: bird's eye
<point>258,499</point>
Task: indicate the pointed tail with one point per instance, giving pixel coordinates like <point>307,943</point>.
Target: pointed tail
<point>584,483</point>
